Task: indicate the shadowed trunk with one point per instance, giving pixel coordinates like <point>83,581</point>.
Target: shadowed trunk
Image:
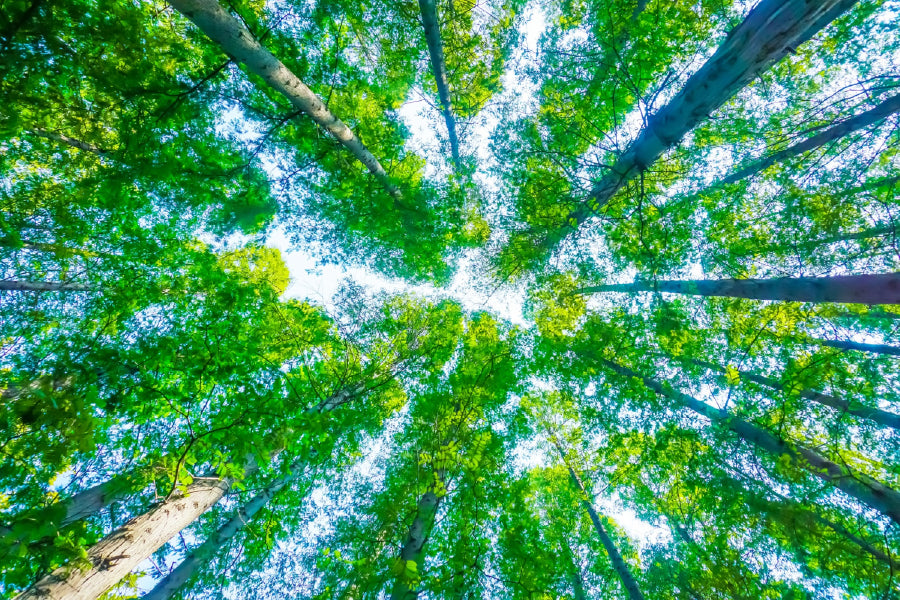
<point>239,43</point>
<point>45,286</point>
<point>430,24</point>
<point>860,121</point>
<point>882,288</point>
<point>846,345</point>
<point>618,563</point>
<point>876,415</point>
<point>863,488</point>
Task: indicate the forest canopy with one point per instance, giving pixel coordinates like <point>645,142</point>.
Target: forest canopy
<point>640,336</point>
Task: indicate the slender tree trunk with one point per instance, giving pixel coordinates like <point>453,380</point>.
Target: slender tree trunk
<point>771,30</point>
<point>116,555</point>
<point>618,563</point>
<point>846,345</point>
<point>69,141</point>
<point>871,314</point>
<point>865,546</point>
<point>9,32</point>
<point>575,573</point>
<point>776,508</point>
<point>860,486</point>
<point>44,286</point>
<point>882,417</point>
<point>56,249</point>
<point>428,9</point>
<point>860,121</point>
<point>91,501</point>
<point>865,234</point>
<point>239,43</point>
<point>882,288</point>
<point>414,545</point>
<point>188,567</point>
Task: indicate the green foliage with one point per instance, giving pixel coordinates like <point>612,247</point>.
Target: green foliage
<point>381,444</point>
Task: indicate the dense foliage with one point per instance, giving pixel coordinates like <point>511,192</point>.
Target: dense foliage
<point>695,202</point>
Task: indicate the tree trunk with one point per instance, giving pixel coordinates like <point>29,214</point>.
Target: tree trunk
<point>81,505</point>
<point>865,234</point>
<point>139,538</point>
<point>618,563</point>
<point>44,286</point>
<point>428,9</point>
<point>882,288</point>
<point>69,141</point>
<point>860,121</point>
<point>877,415</point>
<point>774,508</point>
<point>238,42</point>
<point>771,30</point>
<point>870,314</point>
<point>863,488</point>
<point>413,546</point>
<point>574,573</point>
<point>859,346</point>
<point>865,546</point>
<point>117,554</point>
<point>188,567</point>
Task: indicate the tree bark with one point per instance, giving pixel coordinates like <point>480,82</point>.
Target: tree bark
<point>80,505</point>
<point>618,563</point>
<point>863,488</point>
<point>44,286</point>
<point>859,346</point>
<point>860,121</point>
<point>871,314</point>
<point>188,567</point>
<point>413,546</point>
<point>882,417</point>
<point>430,24</point>
<point>69,141</point>
<point>771,30</point>
<point>883,288</point>
<point>865,234</point>
<point>116,555</point>
<point>239,43</point>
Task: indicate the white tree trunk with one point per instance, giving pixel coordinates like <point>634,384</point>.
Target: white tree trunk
<point>117,555</point>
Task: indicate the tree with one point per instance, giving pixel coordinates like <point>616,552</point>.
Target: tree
<point>858,289</point>
<point>180,418</point>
